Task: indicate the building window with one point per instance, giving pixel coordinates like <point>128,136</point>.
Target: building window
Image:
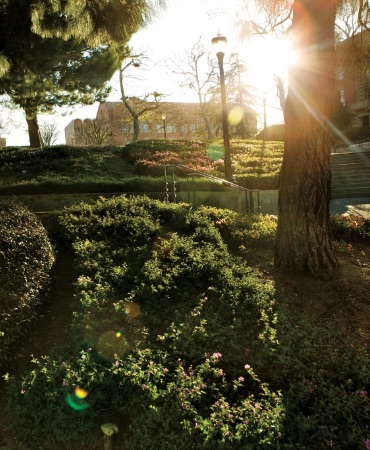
<point>183,128</point>
<point>365,121</point>
<point>366,91</point>
<point>159,128</point>
<point>125,128</point>
<point>144,128</point>
<point>342,97</point>
<point>361,92</point>
<point>192,127</point>
<point>170,128</point>
<point>340,73</point>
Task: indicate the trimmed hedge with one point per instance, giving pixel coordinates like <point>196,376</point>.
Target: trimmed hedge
<point>26,258</point>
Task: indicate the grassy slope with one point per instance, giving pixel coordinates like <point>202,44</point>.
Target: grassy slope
<point>63,169</point>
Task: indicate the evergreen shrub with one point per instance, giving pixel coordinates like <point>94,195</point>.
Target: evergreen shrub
<point>26,258</point>
<point>187,345</point>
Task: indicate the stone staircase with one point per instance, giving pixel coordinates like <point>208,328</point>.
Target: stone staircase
<point>350,174</point>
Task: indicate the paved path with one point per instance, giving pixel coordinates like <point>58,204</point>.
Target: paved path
<point>358,206</point>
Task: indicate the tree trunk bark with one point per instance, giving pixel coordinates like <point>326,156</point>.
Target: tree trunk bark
<point>281,93</point>
<point>136,128</point>
<point>303,235</point>
<point>33,127</point>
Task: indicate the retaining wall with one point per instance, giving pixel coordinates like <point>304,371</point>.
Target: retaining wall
<point>234,200</point>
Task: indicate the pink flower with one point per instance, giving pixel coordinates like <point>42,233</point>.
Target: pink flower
<point>247,367</point>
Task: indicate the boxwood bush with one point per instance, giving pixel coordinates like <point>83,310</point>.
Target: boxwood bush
<point>26,258</point>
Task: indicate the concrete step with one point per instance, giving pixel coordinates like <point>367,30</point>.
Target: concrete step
<point>350,185</point>
<point>363,147</point>
<point>349,178</point>
<point>339,159</point>
<point>365,150</point>
<point>350,166</point>
<point>349,193</point>
<point>351,174</point>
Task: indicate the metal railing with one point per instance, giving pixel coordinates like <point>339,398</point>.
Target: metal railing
<point>252,205</point>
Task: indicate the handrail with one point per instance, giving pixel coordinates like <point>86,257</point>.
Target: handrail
<point>213,178</point>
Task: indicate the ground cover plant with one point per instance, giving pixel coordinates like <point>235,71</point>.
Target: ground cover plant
<point>183,345</point>
<point>61,169</point>
<point>255,164</point>
<point>138,167</point>
<point>26,259</point>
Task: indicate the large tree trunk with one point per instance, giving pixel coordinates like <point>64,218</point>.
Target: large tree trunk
<point>33,127</point>
<point>303,236</point>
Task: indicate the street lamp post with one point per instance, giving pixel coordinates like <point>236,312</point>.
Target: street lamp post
<point>219,42</point>
<point>264,120</point>
<point>164,125</point>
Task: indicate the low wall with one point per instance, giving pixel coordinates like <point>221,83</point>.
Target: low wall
<point>234,200</point>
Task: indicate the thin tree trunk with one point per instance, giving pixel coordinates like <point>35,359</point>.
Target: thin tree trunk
<point>281,93</point>
<point>136,128</point>
<point>303,236</point>
<point>208,126</point>
<point>33,128</point>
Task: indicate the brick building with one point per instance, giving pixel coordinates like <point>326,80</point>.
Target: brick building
<point>354,85</point>
<point>168,120</point>
<point>175,120</point>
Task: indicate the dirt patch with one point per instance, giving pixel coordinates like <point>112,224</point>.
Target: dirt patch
<point>344,299</point>
<point>51,331</point>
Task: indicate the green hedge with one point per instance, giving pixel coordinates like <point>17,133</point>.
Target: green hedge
<point>26,258</point>
<point>261,182</point>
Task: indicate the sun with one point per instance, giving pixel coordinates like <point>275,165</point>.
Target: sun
<point>267,57</point>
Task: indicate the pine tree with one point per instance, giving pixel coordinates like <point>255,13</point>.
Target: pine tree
<point>63,52</point>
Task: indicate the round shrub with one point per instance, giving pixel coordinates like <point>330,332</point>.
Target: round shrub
<point>26,257</point>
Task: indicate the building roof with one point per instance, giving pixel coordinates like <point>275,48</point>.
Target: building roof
<point>110,105</point>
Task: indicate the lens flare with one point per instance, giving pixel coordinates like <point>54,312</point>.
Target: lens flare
<point>215,152</point>
<point>77,402</point>
<point>81,393</point>
<point>112,343</point>
<point>132,309</point>
<point>235,115</point>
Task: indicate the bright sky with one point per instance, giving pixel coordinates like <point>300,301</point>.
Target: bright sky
<point>175,30</point>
